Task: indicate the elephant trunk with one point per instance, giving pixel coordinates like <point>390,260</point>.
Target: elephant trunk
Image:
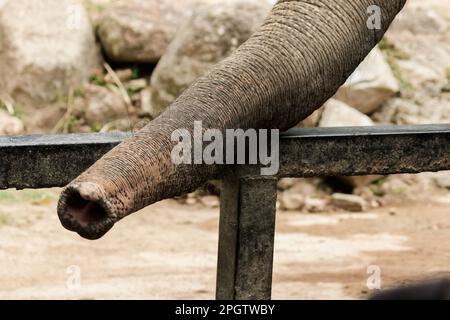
<point>302,54</point>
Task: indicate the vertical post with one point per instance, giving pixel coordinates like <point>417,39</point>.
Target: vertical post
<point>246,238</point>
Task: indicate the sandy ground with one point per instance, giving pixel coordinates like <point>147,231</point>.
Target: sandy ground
<point>169,251</point>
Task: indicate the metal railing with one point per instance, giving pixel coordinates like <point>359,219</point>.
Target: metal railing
<point>248,200</point>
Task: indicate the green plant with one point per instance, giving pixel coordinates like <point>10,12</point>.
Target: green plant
<point>134,72</point>
<point>72,123</point>
<point>377,191</point>
<point>79,92</point>
<point>391,50</point>
<point>96,127</point>
<point>399,190</point>
<point>98,79</point>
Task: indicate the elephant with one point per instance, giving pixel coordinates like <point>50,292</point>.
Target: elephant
<point>304,51</point>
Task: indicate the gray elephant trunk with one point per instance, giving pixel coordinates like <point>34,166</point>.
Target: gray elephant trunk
<point>302,54</point>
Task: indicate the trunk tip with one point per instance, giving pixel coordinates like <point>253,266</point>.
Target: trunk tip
<point>82,209</point>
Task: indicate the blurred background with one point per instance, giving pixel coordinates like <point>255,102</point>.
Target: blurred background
<point>69,66</point>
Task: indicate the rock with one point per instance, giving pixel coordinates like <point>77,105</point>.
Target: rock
<point>103,105</point>
<point>191,201</point>
<point>136,85</point>
<point>422,76</point>
<point>443,179</point>
<point>299,185</point>
<point>45,119</point>
<point>210,201</point>
<point>399,185</point>
<point>141,30</point>
<point>291,200</point>
<point>419,20</point>
<point>440,179</point>
<point>9,125</point>
<point>121,125</point>
<point>370,85</point>
<point>287,183</point>
<point>338,114</point>
<point>348,202</point>
<point>46,48</point>
<point>305,187</point>
<point>212,33</point>
<point>422,32</point>
<point>95,8</point>
<point>135,98</point>
<point>296,194</point>
<point>146,101</point>
<point>315,205</point>
<point>402,112</point>
<point>313,120</point>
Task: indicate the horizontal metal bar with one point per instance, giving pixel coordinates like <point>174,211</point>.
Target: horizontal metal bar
<point>54,160</point>
<point>355,151</point>
<point>41,161</point>
<point>366,131</point>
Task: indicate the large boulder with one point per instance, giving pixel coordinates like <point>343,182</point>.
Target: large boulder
<point>404,112</point>
<point>311,121</point>
<point>141,30</point>
<point>46,47</point>
<point>338,114</point>
<point>422,33</point>
<point>212,33</point>
<point>370,85</point>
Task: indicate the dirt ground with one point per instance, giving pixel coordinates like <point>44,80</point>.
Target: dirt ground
<point>169,251</point>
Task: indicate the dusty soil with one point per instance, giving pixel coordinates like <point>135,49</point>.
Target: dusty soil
<point>169,251</point>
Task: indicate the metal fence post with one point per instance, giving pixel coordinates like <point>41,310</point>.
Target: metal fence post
<point>246,238</point>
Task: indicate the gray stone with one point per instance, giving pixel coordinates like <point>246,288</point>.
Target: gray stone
<point>422,32</point>
<point>210,201</point>
<point>213,32</point>
<point>103,105</point>
<point>348,202</point>
<point>315,205</point>
<point>443,179</point>
<point>338,114</point>
<point>141,30</point>
<point>47,46</point>
<point>403,112</point>
<point>290,200</point>
<point>370,85</point>
<point>136,84</point>
<point>287,183</point>
<point>313,120</point>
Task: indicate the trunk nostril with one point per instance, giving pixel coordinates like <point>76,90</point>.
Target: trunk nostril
<point>83,211</point>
